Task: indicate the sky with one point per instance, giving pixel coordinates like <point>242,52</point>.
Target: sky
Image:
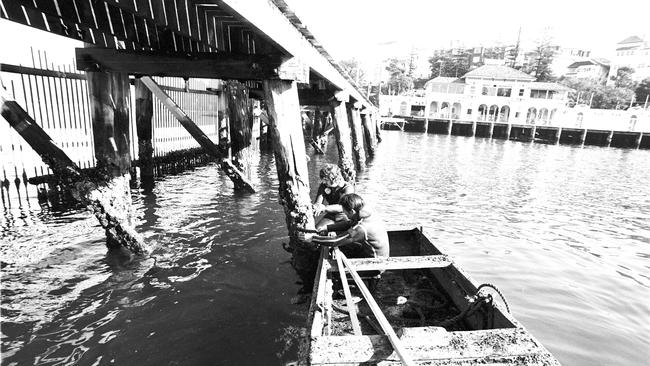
<point>371,29</point>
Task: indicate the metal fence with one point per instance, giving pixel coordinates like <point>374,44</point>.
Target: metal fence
<point>56,96</point>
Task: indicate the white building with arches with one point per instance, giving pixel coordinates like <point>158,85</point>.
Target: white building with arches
<point>490,93</point>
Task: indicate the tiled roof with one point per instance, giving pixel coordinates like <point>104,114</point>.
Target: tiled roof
<point>593,61</point>
<point>441,80</point>
<point>498,72</point>
<point>631,39</point>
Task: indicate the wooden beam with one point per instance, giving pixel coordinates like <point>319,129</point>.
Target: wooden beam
<point>293,176</point>
<point>343,139</point>
<point>235,175</point>
<point>390,263</point>
<point>404,356</point>
<point>357,136</point>
<point>269,21</point>
<point>144,128</point>
<point>91,192</point>
<point>188,65</point>
<point>512,346</point>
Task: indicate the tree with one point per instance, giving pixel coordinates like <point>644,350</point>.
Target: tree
<point>450,65</point>
<point>643,91</point>
<point>600,96</point>
<point>399,80</point>
<point>541,58</point>
<point>353,69</point>
<point>623,78</point>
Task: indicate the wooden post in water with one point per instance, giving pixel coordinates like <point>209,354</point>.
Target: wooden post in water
<point>491,132</point>
<point>508,129</point>
<point>109,95</point>
<point>583,137</point>
<point>367,132</point>
<point>449,127</point>
<point>343,137</point>
<point>240,119</point>
<point>357,135</point>
<point>533,130</point>
<point>291,164</point>
<point>94,192</point>
<point>235,175</point>
<point>474,129</point>
<point>559,135</point>
<point>637,142</point>
<point>143,115</point>
<point>610,136</point>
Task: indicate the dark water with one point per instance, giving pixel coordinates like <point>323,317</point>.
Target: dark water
<point>564,232</point>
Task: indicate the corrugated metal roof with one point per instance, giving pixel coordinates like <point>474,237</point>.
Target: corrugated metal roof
<point>498,72</point>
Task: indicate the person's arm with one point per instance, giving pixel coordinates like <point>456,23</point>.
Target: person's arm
<point>350,236</point>
<point>339,226</point>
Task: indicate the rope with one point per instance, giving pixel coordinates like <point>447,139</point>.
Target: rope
<point>474,306</point>
<point>497,291</point>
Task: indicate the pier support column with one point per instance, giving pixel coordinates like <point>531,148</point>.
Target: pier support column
<point>491,131</point>
<point>610,136</point>
<point>233,172</point>
<point>93,192</point>
<point>449,127</point>
<point>508,129</point>
<point>367,133</point>
<point>357,136</point>
<point>291,164</point>
<point>583,138</point>
<point>143,115</point>
<point>533,130</point>
<point>559,135</point>
<point>240,117</point>
<point>637,142</point>
<point>474,129</point>
<point>343,137</point>
<point>109,95</point>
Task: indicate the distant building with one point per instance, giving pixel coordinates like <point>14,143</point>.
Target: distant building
<point>489,93</point>
<point>566,56</point>
<point>633,52</point>
<point>592,69</point>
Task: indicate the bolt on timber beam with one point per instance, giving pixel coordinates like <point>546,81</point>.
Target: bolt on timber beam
<point>88,190</point>
<point>231,171</point>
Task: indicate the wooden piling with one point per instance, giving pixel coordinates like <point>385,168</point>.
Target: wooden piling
<point>367,133</point>
<point>508,130</point>
<point>637,142</point>
<point>240,119</point>
<point>233,172</point>
<point>583,136</point>
<point>343,137</point>
<point>357,135</point>
<point>291,164</point>
<point>474,129</point>
<point>533,130</point>
<point>491,132</point>
<point>610,136</point>
<point>95,192</point>
<point>143,117</point>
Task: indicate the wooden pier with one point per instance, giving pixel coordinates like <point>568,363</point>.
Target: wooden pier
<point>623,137</point>
<point>158,84</point>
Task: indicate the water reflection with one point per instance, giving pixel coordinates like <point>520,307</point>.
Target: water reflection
<point>562,231</point>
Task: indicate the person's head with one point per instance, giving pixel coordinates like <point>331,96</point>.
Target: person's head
<point>352,205</point>
<point>331,176</point>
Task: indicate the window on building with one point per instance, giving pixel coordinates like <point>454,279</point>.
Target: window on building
<point>539,94</point>
<point>516,114</point>
<point>469,111</point>
<point>504,92</point>
<point>521,92</point>
<point>489,90</point>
